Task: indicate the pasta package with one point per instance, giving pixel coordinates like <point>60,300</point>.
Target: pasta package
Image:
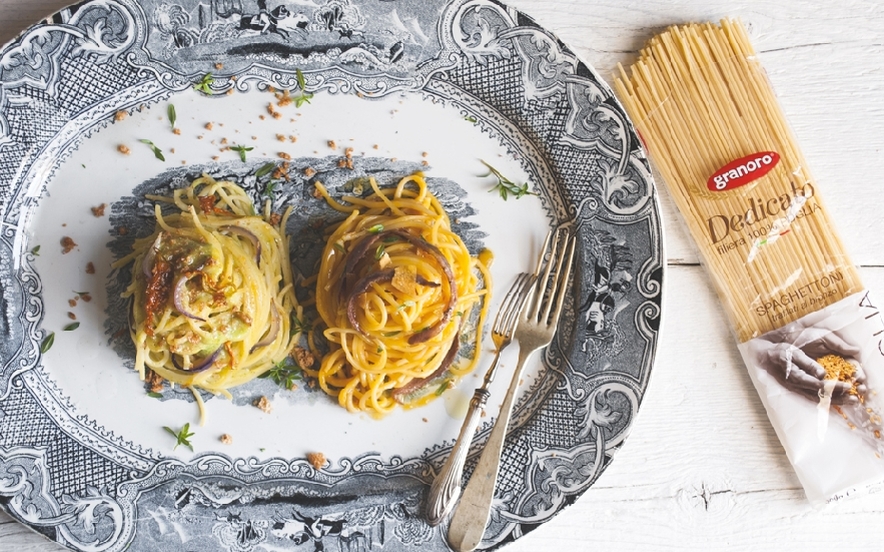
<point>807,328</point>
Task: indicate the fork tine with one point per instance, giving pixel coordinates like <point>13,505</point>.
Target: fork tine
<point>551,277</point>
<point>541,275</point>
<point>508,314</point>
<point>561,284</point>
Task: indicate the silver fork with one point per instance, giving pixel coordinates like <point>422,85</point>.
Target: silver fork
<point>446,487</point>
<point>535,330</point>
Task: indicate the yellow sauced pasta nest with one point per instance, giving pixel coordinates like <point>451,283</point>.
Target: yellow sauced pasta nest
<point>394,288</point>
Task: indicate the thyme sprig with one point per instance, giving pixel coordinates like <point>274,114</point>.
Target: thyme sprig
<point>505,186</point>
<point>182,436</point>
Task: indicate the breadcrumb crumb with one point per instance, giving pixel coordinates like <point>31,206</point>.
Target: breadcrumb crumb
<point>263,404</point>
<point>122,148</point>
<point>67,245</point>
<point>99,211</point>
<point>316,459</point>
<point>226,439</point>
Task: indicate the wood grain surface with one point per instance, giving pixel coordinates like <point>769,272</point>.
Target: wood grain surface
<point>702,469</point>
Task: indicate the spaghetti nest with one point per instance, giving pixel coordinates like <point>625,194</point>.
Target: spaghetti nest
<point>211,290</point>
<point>395,289</point>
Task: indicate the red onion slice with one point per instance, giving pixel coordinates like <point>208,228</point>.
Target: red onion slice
<point>178,298</point>
<point>201,366</point>
<point>360,288</point>
<point>275,323</point>
<point>150,256</point>
<point>415,384</point>
<point>249,235</point>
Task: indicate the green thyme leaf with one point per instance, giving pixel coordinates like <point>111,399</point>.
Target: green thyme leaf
<point>471,119</point>
<point>505,186</point>
<point>81,293</point>
<point>303,96</point>
<point>242,151</point>
<point>182,436</point>
<point>392,334</point>
<point>170,111</point>
<point>300,326</point>
<point>284,373</point>
<point>204,85</point>
<point>376,229</point>
<point>47,342</point>
<point>268,189</point>
<point>154,395</point>
<point>379,252</point>
<point>408,303</point>
<point>157,152</point>
<point>72,326</point>
<point>265,169</point>
<point>35,251</point>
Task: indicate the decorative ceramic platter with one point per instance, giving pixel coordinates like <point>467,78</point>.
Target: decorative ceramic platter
<point>397,86</point>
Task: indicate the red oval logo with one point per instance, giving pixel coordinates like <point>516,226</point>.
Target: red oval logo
<point>743,171</point>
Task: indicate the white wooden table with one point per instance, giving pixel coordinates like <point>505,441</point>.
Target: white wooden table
<point>703,469</point>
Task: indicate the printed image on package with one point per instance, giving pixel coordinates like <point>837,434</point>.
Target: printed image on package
<point>819,378</point>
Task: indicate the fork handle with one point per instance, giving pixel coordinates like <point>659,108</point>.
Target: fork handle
<point>446,487</point>
<point>469,520</point>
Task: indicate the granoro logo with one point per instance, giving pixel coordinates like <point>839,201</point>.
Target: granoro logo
<point>743,171</point>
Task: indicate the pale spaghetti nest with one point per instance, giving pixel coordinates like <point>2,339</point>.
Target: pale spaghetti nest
<point>395,288</point>
<point>211,290</point>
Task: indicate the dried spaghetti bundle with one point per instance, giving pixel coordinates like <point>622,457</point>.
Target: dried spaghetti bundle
<point>714,130</point>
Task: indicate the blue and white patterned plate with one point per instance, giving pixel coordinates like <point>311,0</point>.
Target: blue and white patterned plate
<point>398,86</point>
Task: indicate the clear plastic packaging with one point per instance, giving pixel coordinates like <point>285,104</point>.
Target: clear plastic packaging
<point>806,327</point>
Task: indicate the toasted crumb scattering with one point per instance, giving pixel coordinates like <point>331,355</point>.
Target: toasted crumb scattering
<point>332,144</point>
<point>226,439</point>
<point>90,268</point>
<point>154,380</point>
<point>424,420</point>
<point>209,126</point>
<point>282,171</point>
<point>123,230</point>
<point>262,117</point>
<point>348,153</point>
<point>280,137</point>
<point>277,115</point>
<point>120,115</point>
<point>86,297</point>
<point>309,171</point>
<point>215,158</point>
<point>72,303</point>
<point>176,130</point>
<point>99,211</point>
<point>263,404</point>
<point>424,154</point>
<point>284,155</point>
<point>303,357</point>
<point>275,219</point>
<point>72,316</point>
<point>219,66</point>
<point>223,141</point>
<point>316,459</point>
<point>425,163</point>
<point>316,193</point>
<point>293,139</point>
<point>67,245</point>
<point>183,162</point>
<point>124,149</point>
<point>376,146</point>
<point>171,150</point>
<point>229,91</point>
